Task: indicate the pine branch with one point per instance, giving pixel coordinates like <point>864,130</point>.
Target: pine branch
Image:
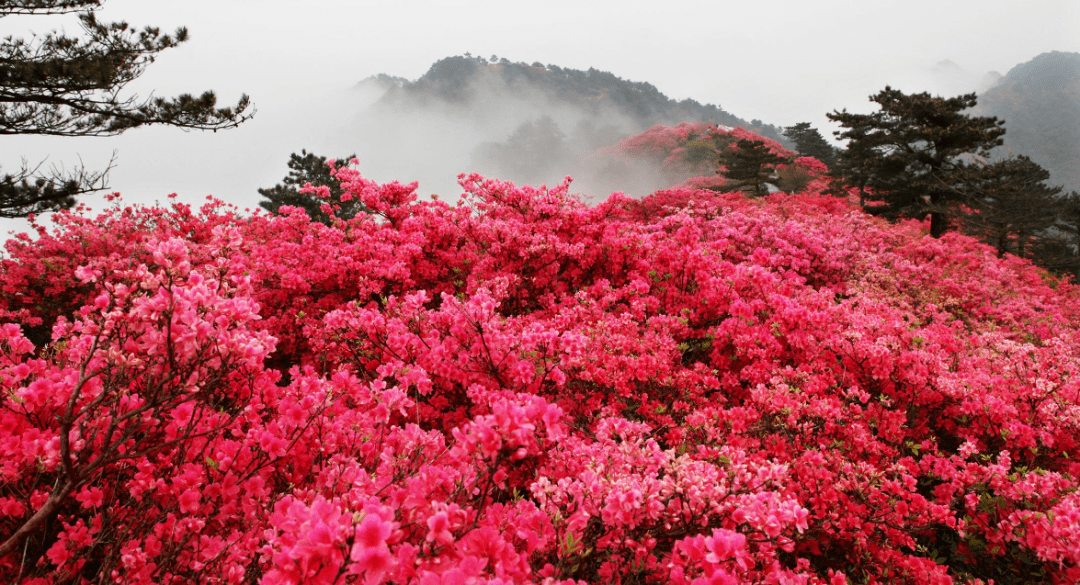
<point>31,191</point>
<point>44,7</point>
<point>59,85</point>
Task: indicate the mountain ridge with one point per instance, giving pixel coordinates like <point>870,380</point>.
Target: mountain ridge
<point>459,80</point>
<point>1040,103</point>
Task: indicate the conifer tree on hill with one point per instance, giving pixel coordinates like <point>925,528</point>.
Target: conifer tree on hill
<point>60,85</point>
<point>750,165</point>
<point>914,152</point>
<point>1011,204</point>
<point>1058,249</point>
<point>305,168</point>
<point>809,142</point>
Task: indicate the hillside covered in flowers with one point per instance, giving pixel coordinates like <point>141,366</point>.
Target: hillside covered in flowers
<point>697,387</point>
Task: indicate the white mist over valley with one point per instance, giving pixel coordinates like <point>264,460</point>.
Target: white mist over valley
<point>773,63</point>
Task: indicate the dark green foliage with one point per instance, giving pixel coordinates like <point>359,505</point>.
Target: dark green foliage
<point>308,168</point>
<point>59,85</point>
<point>750,165</point>
<point>923,155</point>
<point>1058,247</point>
<point>47,6</point>
<point>1010,204</point>
<point>31,192</point>
<point>809,142</point>
<point>914,152</point>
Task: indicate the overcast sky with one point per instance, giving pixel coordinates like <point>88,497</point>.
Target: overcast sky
<point>779,61</point>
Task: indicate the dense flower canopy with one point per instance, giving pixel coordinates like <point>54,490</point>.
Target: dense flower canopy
<point>693,388</point>
<point>695,156</point>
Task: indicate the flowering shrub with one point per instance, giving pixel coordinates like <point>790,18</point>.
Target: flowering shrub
<point>690,388</point>
<point>692,156</point>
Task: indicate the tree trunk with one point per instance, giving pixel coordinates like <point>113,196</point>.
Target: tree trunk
<point>937,224</point>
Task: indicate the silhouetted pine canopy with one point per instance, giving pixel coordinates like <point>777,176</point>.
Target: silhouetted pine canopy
<point>60,85</point>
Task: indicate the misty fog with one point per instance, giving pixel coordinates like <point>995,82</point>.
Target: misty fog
<point>499,133</point>
<point>499,129</point>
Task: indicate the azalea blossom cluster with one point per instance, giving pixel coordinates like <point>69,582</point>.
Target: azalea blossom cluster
<point>693,388</point>
<point>691,156</point>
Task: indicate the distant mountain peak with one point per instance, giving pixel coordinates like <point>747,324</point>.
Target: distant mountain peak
<point>1040,103</point>
<point>382,81</point>
<point>947,65</point>
<point>1054,68</point>
<point>462,80</point>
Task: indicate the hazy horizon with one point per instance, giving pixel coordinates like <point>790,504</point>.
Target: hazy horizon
<point>780,62</point>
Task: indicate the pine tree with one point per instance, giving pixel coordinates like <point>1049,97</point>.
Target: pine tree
<point>1010,204</point>
<point>750,165</point>
<point>58,85</point>
<point>1058,247</point>
<point>309,168</point>
<point>913,154</point>
<point>809,142</point>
